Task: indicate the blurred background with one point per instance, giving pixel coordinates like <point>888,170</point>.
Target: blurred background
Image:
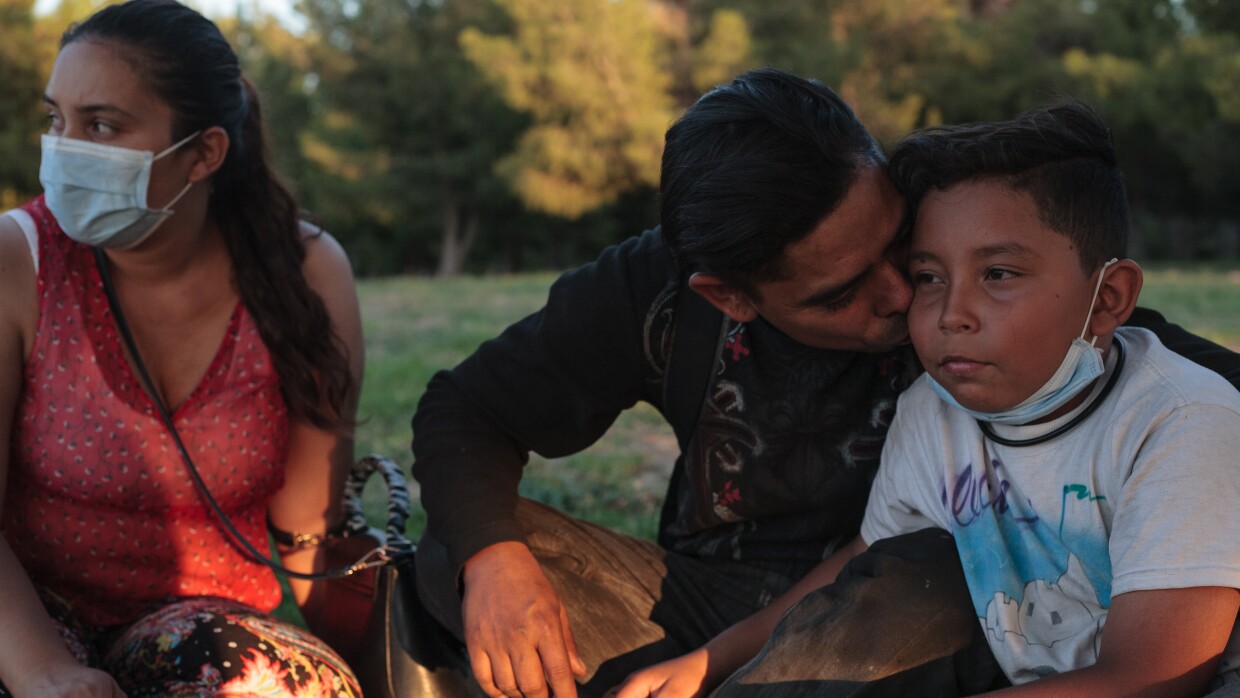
<point>449,136</point>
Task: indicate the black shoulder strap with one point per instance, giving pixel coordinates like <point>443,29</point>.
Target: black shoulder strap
<point>697,335</point>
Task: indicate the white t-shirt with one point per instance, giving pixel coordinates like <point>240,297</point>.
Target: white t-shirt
<point>1144,494</point>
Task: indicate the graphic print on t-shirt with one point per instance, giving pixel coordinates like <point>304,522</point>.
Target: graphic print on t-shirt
<point>1040,581</point>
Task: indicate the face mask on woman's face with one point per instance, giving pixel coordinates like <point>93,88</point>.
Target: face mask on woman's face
<point>98,192</point>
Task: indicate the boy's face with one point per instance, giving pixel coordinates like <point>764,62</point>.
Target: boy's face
<point>997,296</point>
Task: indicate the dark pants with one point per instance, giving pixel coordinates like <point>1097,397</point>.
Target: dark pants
<point>632,604</point>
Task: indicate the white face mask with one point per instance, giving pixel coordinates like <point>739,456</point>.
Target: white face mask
<point>98,192</point>
<point>1080,366</point>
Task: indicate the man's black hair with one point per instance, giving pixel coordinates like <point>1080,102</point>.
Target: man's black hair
<point>753,166</point>
<point>1061,155</point>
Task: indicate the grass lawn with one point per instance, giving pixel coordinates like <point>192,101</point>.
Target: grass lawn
<point>416,326</point>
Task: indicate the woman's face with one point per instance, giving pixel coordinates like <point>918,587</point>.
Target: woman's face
<point>95,94</point>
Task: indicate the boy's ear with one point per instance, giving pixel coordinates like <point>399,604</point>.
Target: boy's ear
<point>729,299</point>
<point>1117,297</point>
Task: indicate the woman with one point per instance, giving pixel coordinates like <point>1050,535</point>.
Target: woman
<point>114,574</point>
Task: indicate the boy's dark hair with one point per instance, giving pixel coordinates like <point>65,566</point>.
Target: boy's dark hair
<point>753,166</point>
<point>1061,155</point>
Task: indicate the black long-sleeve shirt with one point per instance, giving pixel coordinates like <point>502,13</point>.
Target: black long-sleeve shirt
<point>783,456</point>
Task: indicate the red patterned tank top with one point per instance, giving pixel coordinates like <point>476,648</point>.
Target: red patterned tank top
<point>100,508</point>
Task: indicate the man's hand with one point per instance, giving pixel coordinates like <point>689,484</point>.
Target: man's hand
<point>516,629</point>
<point>682,677</point>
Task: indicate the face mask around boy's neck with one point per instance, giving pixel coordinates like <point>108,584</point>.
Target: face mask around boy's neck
<point>1080,366</point>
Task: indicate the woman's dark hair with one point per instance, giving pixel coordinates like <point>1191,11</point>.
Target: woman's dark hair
<point>753,166</point>
<point>183,58</point>
<point>1061,155</point>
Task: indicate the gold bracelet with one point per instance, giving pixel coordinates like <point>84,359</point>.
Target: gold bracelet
<point>296,540</point>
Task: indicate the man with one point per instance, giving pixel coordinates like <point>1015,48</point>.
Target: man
<point>777,211</point>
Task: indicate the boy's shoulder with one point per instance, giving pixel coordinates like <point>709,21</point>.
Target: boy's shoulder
<point>1154,373</point>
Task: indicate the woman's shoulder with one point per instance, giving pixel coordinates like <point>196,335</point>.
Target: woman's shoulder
<point>17,225</point>
<point>325,256</point>
<point>328,272</point>
<point>18,280</point>
<point>326,265</point>
<point>18,250</point>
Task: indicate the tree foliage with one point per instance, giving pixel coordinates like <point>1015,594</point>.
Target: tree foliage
<point>464,134</point>
<point>590,74</point>
<point>411,118</point>
<point>25,60</point>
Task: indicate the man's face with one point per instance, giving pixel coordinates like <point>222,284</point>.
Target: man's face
<point>845,287</point>
<point>999,296</point>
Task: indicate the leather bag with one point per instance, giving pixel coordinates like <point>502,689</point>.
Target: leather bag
<point>376,621</point>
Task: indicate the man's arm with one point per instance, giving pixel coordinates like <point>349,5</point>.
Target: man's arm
<point>1162,643</point>
<point>553,383</point>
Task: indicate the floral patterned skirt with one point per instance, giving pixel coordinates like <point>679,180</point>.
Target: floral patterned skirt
<point>203,647</point>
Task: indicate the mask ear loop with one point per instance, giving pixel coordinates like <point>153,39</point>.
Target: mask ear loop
<point>1097,287</point>
<point>176,145</point>
<point>168,206</point>
<point>165,151</point>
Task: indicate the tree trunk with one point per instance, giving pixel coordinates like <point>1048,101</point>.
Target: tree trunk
<point>460,229</point>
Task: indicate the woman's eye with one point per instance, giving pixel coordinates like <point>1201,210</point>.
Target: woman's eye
<point>920,278</point>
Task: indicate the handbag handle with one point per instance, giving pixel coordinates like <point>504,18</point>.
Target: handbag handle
<point>374,558</point>
<point>398,498</point>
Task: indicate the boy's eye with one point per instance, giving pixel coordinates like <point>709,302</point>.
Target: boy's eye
<point>923,277</point>
<point>998,274</point>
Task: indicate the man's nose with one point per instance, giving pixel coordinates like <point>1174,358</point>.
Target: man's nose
<point>898,295</point>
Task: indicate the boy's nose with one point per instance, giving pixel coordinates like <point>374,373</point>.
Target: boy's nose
<point>956,315</point>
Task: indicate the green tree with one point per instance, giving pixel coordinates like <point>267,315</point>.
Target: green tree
<point>411,130</point>
<point>1214,16</point>
<point>24,65</point>
<point>590,73</point>
<point>791,36</point>
<point>279,65</point>
<point>601,80</point>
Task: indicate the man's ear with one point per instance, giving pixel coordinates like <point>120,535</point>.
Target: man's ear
<point>1117,297</point>
<point>211,147</point>
<point>729,299</point>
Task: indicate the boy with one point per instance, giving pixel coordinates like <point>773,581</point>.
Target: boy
<point>1087,473</point>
